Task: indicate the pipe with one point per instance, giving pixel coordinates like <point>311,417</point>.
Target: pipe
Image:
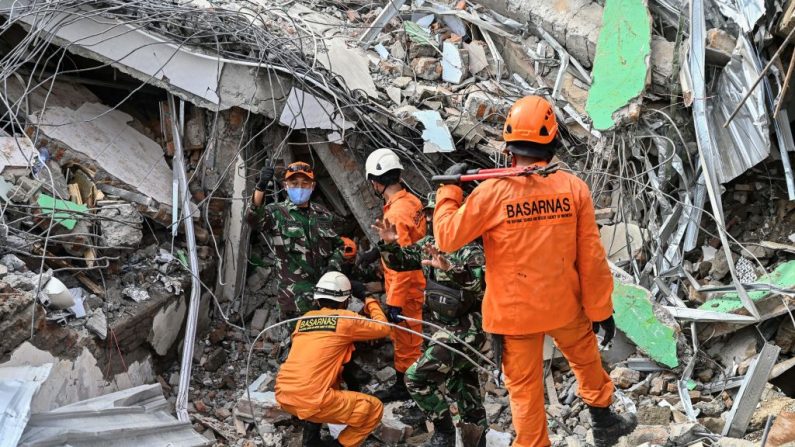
<point>193,307</point>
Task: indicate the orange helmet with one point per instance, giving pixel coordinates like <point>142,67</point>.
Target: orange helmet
<point>532,120</point>
<point>349,248</point>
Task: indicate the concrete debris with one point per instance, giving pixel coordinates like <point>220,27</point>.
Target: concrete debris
<point>136,294</point>
<point>435,133</point>
<point>98,324</point>
<point>121,227</point>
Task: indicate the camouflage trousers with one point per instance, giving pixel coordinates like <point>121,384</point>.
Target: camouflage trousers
<point>440,377</point>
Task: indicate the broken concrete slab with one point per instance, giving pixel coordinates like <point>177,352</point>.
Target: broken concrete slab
<point>646,323</point>
<point>166,326</point>
<point>17,152</point>
<point>104,136</point>
<point>303,110</point>
<point>98,324</point>
<point>622,61</point>
<point>351,64</point>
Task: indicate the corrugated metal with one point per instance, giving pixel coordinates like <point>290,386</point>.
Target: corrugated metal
<point>18,385</point>
<point>135,417</point>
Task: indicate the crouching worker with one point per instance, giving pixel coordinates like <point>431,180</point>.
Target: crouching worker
<point>307,385</point>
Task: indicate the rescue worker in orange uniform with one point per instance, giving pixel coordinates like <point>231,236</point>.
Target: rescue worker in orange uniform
<point>307,385</point>
<point>404,290</point>
<point>546,273</point>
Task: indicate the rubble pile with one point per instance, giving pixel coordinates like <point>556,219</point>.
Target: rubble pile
<point>675,113</point>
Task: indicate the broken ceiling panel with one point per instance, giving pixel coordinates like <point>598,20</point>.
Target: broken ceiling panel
<point>435,133</point>
<point>746,141</point>
<point>647,324</point>
<point>103,134</point>
<point>621,65</point>
<point>306,111</point>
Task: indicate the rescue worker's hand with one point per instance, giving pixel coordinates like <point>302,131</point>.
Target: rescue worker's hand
<point>609,327</point>
<point>438,260</point>
<point>358,290</point>
<point>393,314</point>
<point>367,303</point>
<point>367,257</point>
<point>265,176</point>
<point>457,169</point>
<point>386,231</point>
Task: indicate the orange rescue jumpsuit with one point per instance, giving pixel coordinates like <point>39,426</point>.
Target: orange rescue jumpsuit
<point>546,273</point>
<point>406,289</point>
<point>307,383</point>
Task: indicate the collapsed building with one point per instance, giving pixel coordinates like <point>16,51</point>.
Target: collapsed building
<point>132,135</point>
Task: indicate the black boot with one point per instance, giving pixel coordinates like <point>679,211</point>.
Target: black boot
<point>443,432</point>
<point>311,434</point>
<point>396,392</point>
<point>608,427</point>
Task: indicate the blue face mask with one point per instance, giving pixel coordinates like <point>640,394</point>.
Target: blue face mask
<point>299,196</point>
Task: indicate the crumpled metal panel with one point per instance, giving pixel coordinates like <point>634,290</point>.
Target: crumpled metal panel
<point>743,12</point>
<point>18,385</point>
<point>746,141</point>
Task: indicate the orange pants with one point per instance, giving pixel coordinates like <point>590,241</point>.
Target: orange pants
<point>360,412</point>
<point>523,366</point>
<point>408,347</point>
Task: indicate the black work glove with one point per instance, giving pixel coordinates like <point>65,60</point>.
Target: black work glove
<point>457,169</point>
<point>393,314</point>
<point>609,327</point>
<point>368,257</point>
<point>265,176</point>
<point>358,290</point>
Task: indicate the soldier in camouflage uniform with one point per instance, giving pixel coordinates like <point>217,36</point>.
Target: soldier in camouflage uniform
<point>300,234</point>
<point>439,375</point>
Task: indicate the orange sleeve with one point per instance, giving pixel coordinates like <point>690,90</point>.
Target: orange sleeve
<point>596,281</point>
<point>402,282</point>
<point>361,330</point>
<point>454,224</point>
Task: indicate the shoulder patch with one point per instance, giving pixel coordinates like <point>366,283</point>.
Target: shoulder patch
<point>328,324</point>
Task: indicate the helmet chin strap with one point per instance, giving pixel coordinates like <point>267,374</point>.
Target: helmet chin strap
<point>378,193</point>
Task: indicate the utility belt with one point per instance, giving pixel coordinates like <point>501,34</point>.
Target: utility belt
<point>448,302</point>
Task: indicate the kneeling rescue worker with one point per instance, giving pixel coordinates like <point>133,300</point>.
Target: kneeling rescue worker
<point>546,273</point>
<point>307,385</point>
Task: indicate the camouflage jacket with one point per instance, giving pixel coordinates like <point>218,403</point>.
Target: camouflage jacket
<point>305,246</point>
<point>467,272</point>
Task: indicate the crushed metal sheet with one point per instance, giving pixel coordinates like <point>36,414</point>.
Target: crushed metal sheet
<point>436,134</point>
<point>746,141</point>
<point>639,318</point>
<point>306,111</point>
<point>750,392</point>
<point>18,385</point>
<point>387,14</point>
<point>622,61</point>
<point>135,417</point>
<point>749,12</point>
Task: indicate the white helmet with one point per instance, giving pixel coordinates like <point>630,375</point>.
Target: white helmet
<point>381,161</point>
<point>333,286</point>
